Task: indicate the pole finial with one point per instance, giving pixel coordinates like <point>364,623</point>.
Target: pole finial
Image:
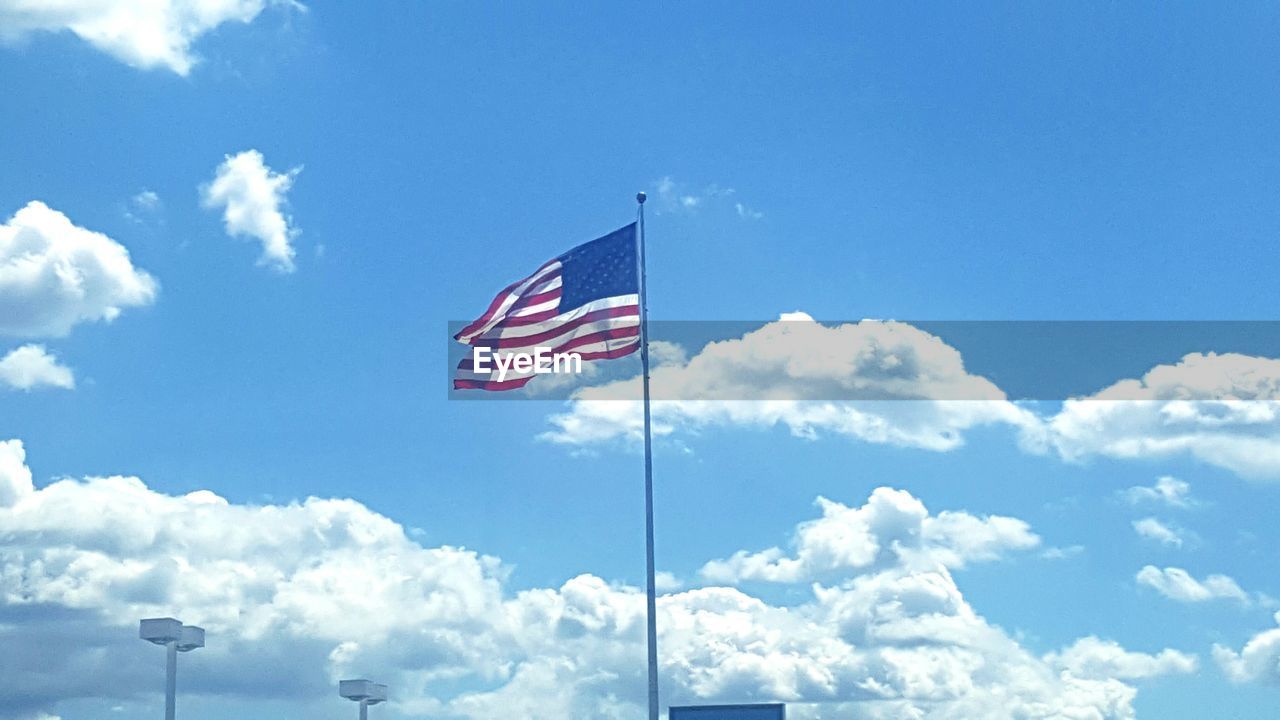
<point>641,197</point>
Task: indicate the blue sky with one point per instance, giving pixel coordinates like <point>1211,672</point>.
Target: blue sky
<point>1001,162</point>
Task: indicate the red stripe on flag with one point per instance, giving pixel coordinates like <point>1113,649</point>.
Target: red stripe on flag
<point>492,385</point>
<point>531,300</point>
<point>500,299</point>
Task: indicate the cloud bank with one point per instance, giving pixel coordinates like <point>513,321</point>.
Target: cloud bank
<point>780,375</point>
<point>889,382</point>
<point>1221,409</point>
<point>311,591</point>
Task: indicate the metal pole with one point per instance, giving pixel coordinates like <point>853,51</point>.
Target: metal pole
<point>170,679</point>
<point>651,592</point>
<point>364,710</point>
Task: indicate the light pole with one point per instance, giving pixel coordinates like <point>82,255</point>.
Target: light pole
<point>176,638</point>
<point>364,692</point>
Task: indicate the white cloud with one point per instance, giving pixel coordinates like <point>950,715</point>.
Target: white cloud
<point>892,524</point>
<point>889,382</point>
<point>1177,584</point>
<point>251,196</point>
<point>1152,529</point>
<point>15,476</point>
<point>298,594</point>
<point>1221,409</point>
<point>1092,657</point>
<point>665,582</point>
<point>662,352</point>
<point>295,596</point>
<point>31,366</point>
<point>54,275</point>
<point>958,538</point>
<point>137,32</point>
<point>1258,661</point>
<point>881,382</point>
<point>1168,490</point>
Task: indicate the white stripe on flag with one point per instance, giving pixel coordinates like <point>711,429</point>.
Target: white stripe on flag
<point>551,304</point>
<point>561,319</point>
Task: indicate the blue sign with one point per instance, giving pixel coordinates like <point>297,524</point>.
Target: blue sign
<point>772,711</point>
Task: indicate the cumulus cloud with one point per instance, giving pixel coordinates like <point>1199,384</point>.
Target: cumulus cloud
<point>300,593</point>
<point>55,275</point>
<point>1092,657</point>
<point>141,34</point>
<point>1221,409</point>
<point>252,197</point>
<point>31,366</point>
<point>1258,661</point>
<point>295,596</point>
<point>1156,531</point>
<point>1178,584</point>
<point>889,382</point>
<point>882,382</point>
<point>1167,490</point>
<point>892,524</point>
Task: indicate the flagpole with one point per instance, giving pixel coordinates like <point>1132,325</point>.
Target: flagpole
<point>651,591</point>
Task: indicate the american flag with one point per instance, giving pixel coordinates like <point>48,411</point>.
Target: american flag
<point>587,301</point>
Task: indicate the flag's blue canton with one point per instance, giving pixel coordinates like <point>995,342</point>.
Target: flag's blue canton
<point>604,267</point>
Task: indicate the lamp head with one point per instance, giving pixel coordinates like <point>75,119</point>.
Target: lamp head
<point>190,638</point>
<point>371,693</point>
<point>160,631</point>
